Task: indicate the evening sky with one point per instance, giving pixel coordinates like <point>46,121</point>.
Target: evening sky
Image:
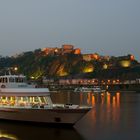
<point>108,27</point>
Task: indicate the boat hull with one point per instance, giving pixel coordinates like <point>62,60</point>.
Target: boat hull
<point>51,116</point>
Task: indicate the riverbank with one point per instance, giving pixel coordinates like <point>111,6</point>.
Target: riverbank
<point>111,87</point>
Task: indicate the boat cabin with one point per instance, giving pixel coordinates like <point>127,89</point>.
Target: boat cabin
<point>13,81</point>
<point>25,101</point>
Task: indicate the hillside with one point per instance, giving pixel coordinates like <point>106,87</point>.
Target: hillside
<point>36,64</point>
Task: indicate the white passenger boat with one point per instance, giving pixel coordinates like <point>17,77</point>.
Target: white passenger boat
<point>95,89</point>
<point>22,102</point>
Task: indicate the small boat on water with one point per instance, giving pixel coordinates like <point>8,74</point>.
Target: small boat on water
<point>20,101</point>
<point>95,89</point>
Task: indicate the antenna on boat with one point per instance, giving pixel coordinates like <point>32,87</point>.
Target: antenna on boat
<point>9,71</point>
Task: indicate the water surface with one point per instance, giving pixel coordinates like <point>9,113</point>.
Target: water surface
<point>114,116</point>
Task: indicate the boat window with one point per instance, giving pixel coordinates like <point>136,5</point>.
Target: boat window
<point>24,80</point>
<point>1,80</point>
<point>16,80</point>
<point>3,98</point>
<point>23,101</point>
<point>36,99</point>
<point>33,99</point>
<point>42,100</point>
<point>22,98</point>
<point>7,101</point>
<point>11,80</point>
<point>20,80</point>
<point>4,80</point>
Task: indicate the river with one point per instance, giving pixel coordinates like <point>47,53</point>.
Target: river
<point>114,116</point>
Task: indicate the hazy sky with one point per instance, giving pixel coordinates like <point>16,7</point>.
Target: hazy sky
<point>108,27</point>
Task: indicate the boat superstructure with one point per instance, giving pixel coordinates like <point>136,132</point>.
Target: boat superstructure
<point>95,89</point>
<point>18,84</point>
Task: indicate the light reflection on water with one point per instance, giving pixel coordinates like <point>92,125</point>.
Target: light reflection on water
<point>113,116</point>
<point>90,98</point>
<point>20,131</point>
